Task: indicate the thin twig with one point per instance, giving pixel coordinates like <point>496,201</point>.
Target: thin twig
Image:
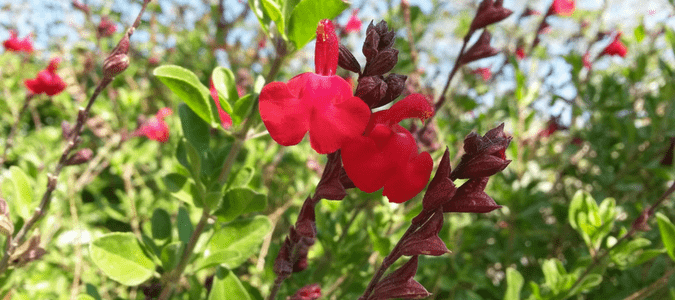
<point>77,273</point>
<point>655,286</point>
<point>9,142</point>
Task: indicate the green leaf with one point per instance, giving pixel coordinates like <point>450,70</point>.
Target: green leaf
<point>84,297</point>
<point>243,236</point>
<point>241,178</point>
<point>194,161</point>
<point>306,16</point>
<point>225,84</point>
<point>238,201</point>
<point>514,284</point>
<point>225,257</point>
<point>195,130</point>
<point>161,224</point>
<point>226,286</point>
<point>174,182</point>
<point>171,254</point>
<point>259,12</point>
<point>120,257</point>
<point>188,88</point>
<point>241,108</point>
<point>590,281</point>
<point>667,230</point>
<point>184,224</point>
<point>639,33</point>
<point>23,192</point>
<point>274,12</point>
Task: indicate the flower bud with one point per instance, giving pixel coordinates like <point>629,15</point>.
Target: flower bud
<point>27,252</point>
<point>383,62</point>
<point>489,13</point>
<point>308,292</point>
<point>395,87</point>
<point>400,284</point>
<point>118,61</point>
<point>329,186</point>
<point>371,89</point>
<point>640,224</point>
<point>369,48</point>
<point>425,240</point>
<point>471,197</point>
<point>484,156</point>
<point>80,157</point>
<point>481,49</point>
<point>441,188</point>
<point>347,61</point>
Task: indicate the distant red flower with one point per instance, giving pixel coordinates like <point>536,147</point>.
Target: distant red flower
<point>563,7</point>
<point>486,73</point>
<point>530,12</point>
<point>225,119</point>
<point>387,156</point>
<point>155,128</point>
<point>587,60</point>
<point>616,47</point>
<point>106,28</point>
<point>354,23</point>
<point>321,103</point>
<point>309,292</point>
<point>17,45</point>
<point>47,81</point>
<point>520,53</point>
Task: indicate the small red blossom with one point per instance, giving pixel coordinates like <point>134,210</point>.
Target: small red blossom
<point>308,292</point>
<point>586,59</point>
<point>47,81</point>
<point>387,156</point>
<point>520,53</point>
<point>17,45</point>
<point>563,7</point>
<point>155,128</point>
<point>354,23</point>
<point>321,102</point>
<point>106,28</point>
<point>616,47</point>
<point>486,73</point>
<point>225,119</point>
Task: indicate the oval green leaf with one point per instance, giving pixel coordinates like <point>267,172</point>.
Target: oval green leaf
<point>226,286</point>
<point>306,16</point>
<point>188,88</point>
<point>120,257</point>
<point>244,236</point>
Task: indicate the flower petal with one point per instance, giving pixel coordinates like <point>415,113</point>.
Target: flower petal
<point>365,164</point>
<point>285,115</point>
<point>410,179</point>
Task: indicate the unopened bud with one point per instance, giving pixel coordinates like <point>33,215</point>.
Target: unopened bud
<point>114,65</point>
<point>395,86</point>
<point>640,224</point>
<point>371,89</point>
<point>80,157</point>
<point>481,49</point>
<point>347,61</point>
<point>383,62</point>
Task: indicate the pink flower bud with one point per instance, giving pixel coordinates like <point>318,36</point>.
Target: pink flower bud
<point>80,157</point>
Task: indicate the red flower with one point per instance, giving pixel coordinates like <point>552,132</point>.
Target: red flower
<point>520,53</point>
<point>47,81</point>
<point>486,73</point>
<point>587,60</point>
<point>563,7</point>
<point>386,155</point>
<point>616,47</point>
<point>106,28</point>
<point>321,103</point>
<point>155,128</point>
<point>354,24</point>
<point>308,292</point>
<point>17,45</point>
<point>225,119</point>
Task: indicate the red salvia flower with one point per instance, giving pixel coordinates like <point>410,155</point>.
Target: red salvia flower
<point>586,59</point>
<point>486,73</point>
<point>386,155</point>
<point>47,81</point>
<point>321,103</point>
<point>225,119</point>
<point>354,24</point>
<point>155,128</point>
<point>17,45</point>
<point>308,292</point>
<point>616,47</point>
<point>520,53</point>
<point>106,28</point>
<point>563,7</point>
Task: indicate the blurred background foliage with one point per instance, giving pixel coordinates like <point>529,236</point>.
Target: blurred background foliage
<point>606,130</point>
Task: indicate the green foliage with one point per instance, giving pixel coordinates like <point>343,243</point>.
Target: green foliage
<point>121,257</point>
<point>187,87</point>
<point>667,230</point>
<point>306,16</point>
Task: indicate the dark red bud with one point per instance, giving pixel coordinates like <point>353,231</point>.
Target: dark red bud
<point>400,284</point>
<point>118,61</point>
<point>80,157</point>
<point>425,240</point>
<point>386,36</point>
<point>471,197</point>
<point>347,61</point>
<point>27,252</point>
<point>329,186</point>
<point>484,156</point>
<point>371,89</point>
<point>395,87</point>
<point>441,188</point>
<point>668,157</point>
<point>369,48</point>
<point>282,265</point>
<point>481,49</point>
<point>383,62</point>
<point>640,224</point>
<point>489,13</point>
